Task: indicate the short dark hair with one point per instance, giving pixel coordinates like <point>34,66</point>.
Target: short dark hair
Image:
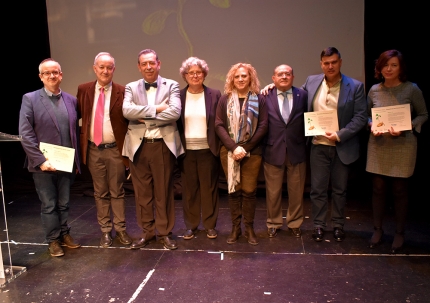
<point>383,59</point>
<point>147,51</point>
<point>329,51</point>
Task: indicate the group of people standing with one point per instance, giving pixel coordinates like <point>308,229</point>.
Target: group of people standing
<point>151,125</point>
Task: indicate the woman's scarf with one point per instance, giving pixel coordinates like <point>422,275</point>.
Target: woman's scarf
<point>242,123</point>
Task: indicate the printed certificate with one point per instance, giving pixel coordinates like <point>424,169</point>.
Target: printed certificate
<point>61,157</point>
<point>396,116</point>
<point>317,123</point>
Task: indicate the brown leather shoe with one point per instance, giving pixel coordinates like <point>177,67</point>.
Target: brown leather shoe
<point>68,241</point>
<point>211,233</point>
<point>189,234</point>
<point>272,232</point>
<point>123,237</point>
<point>168,243</point>
<point>141,242</point>
<point>55,249</point>
<point>106,240</point>
<point>296,232</point>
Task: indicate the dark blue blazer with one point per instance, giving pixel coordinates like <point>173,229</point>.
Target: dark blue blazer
<point>351,114</point>
<point>211,100</point>
<point>282,137</point>
<point>38,123</point>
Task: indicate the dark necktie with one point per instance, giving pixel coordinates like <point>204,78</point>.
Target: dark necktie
<point>148,85</point>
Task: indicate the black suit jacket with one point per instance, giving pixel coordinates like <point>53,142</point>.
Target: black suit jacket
<point>284,138</point>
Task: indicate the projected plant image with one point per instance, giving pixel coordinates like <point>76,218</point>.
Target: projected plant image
<point>154,23</point>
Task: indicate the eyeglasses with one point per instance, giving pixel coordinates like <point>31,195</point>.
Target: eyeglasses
<point>192,74</point>
<point>280,75</point>
<point>48,74</point>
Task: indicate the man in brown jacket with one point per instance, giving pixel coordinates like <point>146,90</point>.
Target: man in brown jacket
<point>102,138</point>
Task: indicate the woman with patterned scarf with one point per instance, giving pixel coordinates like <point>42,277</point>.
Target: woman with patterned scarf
<point>241,123</point>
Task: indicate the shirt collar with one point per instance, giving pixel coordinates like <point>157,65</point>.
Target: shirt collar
<point>290,91</point>
<point>50,94</point>
<point>107,87</point>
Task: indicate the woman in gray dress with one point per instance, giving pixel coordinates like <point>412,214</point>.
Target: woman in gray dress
<point>391,155</point>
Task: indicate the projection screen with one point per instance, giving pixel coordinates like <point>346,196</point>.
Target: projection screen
<point>264,33</point>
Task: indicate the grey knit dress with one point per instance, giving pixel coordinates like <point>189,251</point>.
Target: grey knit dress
<point>395,156</point>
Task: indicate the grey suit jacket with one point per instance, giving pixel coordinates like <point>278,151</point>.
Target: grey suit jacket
<point>351,113</point>
<point>136,107</point>
<point>38,123</point>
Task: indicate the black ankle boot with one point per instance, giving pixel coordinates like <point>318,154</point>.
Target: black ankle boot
<point>376,237</point>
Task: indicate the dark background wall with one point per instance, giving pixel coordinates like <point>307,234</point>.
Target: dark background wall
<point>26,43</point>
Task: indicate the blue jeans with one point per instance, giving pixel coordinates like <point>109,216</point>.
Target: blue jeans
<point>326,166</point>
<point>53,189</point>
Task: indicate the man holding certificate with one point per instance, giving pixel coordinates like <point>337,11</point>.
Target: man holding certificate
<point>48,115</point>
<point>332,153</point>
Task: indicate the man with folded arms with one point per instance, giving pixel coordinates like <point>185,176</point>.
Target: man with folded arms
<point>152,143</point>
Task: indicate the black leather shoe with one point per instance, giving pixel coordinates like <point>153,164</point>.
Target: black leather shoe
<point>106,240</point>
<point>169,243</point>
<point>272,232</point>
<point>296,232</point>
<point>338,234</point>
<point>123,237</point>
<point>318,234</point>
<point>141,242</point>
<point>211,233</point>
<point>189,234</point>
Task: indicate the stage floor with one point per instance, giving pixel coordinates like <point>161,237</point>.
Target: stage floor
<point>281,269</point>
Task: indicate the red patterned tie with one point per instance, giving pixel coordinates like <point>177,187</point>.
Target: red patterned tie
<point>98,118</point>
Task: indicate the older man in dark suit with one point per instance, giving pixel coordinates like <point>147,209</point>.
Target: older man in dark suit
<point>285,151</point>
<point>102,150</point>
<point>49,115</point>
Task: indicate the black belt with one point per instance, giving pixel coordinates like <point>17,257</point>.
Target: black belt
<point>152,140</point>
<point>104,145</point>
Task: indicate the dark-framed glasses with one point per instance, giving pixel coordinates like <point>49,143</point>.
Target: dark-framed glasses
<point>192,74</point>
<point>55,73</point>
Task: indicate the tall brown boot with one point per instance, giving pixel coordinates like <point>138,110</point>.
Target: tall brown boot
<point>248,218</point>
<point>235,204</point>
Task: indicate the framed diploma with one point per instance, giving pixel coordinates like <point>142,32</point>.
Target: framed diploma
<point>61,157</point>
<point>317,123</point>
<point>397,116</point>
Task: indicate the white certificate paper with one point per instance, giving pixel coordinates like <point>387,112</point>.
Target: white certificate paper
<point>61,157</point>
<point>317,123</point>
<point>397,116</point>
